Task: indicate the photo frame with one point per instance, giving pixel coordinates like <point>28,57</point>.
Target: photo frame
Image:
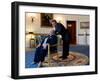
<point>45,17</point>
<point>18,70</point>
<point>84,25</point>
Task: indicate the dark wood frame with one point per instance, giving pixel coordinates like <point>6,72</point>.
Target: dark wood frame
<point>45,20</point>
<point>15,39</point>
<point>83,27</point>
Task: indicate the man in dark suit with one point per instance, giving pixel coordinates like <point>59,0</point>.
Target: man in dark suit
<point>60,29</point>
<point>42,49</point>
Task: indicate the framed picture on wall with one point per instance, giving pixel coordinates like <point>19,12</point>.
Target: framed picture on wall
<point>45,17</point>
<point>46,59</point>
<point>84,25</point>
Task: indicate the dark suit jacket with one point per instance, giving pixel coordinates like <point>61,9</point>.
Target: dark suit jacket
<point>60,29</point>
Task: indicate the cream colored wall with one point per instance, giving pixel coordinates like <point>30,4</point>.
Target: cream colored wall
<point>36,25</point>
<point>82,39</point>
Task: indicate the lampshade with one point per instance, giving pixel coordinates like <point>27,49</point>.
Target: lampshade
<point>31,33</point>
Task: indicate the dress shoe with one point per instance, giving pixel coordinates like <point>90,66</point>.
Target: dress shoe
<point>61,57</point>
<point>64,58</point>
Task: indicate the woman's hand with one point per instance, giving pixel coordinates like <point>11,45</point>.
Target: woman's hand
<point>44,46</point>
<point>38,45</point>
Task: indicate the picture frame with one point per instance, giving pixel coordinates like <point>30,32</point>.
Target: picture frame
<point>18,70</point>
<point>45,17</point>
<point>84,25</point>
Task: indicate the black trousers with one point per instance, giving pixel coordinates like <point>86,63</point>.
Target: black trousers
<point>65,49</point>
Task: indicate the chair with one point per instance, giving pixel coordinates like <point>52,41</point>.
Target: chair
<point>49,54</point>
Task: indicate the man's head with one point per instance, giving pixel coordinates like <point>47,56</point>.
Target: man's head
<point>53,22</point>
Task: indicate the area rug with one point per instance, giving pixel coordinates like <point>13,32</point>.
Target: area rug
<point>74,59</point>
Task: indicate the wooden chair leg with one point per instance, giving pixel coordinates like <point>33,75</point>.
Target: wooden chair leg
<point>57,52</point>
<point>49,60</point>
<point>57,56</point>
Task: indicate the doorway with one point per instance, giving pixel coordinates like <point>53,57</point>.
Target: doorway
<point>71,25</point>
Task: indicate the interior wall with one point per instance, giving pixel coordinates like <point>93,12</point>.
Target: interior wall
<point>35,26</point>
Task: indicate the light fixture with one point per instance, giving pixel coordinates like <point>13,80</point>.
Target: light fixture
<point>32,19</point>
<point>31,16</point>
<point>32,36</point>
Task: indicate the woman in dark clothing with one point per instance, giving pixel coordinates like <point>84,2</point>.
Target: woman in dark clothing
<point>42,49</point>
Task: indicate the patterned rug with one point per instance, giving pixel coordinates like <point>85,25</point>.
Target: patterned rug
<point>74,59</point>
